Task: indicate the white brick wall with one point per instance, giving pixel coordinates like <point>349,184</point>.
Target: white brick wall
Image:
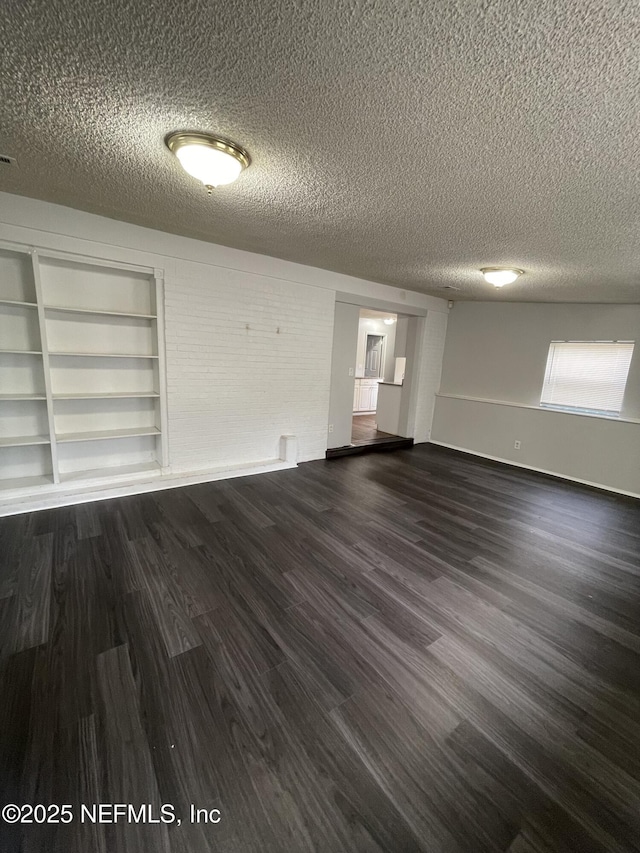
<point>435,330</point>
<point>248,359</point>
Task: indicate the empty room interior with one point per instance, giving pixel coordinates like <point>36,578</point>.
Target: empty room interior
<point>320,427</point>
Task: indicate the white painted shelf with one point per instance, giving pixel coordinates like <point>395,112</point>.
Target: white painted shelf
<point>23,397</point>
<point>18,440</point>
<point>101,355</point>
<point>97,435</point>
<point>20,352</point>
<point>121,471</point>
<point>100,395</point>
<point>99,311</point>
<point>17,302</point>
<point>26,482</point>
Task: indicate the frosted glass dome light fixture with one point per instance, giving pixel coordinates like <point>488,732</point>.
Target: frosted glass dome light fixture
<point>499,276</point>
<point>388,321</point>
<point>209,159</point>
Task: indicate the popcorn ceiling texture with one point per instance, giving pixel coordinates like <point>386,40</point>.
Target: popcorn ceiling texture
<point>401,141</point>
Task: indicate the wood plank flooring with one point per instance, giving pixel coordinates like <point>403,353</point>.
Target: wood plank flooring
<point>364,430</point>
<point>420,651</point>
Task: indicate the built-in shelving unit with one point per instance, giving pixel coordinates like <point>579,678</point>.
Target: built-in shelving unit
<point>82,374</point>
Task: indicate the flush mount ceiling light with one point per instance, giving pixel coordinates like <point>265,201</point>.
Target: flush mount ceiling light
<point>389,321</point>
<point>499,276</point>
<point>211,160</point>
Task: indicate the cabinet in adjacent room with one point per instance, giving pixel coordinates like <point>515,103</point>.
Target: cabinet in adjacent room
<point>365,395</point>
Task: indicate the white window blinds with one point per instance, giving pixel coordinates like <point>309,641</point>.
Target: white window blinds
<point>587,376</point>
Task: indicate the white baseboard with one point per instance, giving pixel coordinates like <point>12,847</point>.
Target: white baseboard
<point>70,495</point>
<point>538,470</point>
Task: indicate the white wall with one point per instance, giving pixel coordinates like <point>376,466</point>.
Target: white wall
<point>492,375</point>
<point>401,336</point>
<point>434,332</point>
<point>372,326</point>
<point>345,331</point>
<point>232,390</point>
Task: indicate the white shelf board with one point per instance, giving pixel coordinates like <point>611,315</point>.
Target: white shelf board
<point>21,351</point>
<point>17,302</point>
<point>25,483</point>
<point>100,311</point>
<point>110,473</point>
<point>103,395</point>
<point>97,435</point>
<point>101,355</point>
<point>18,440</point>
<point>23,397</point>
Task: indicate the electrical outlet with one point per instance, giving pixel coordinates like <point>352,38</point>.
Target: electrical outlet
<point>330,427</point>
<point>351,371</point>
<point>516,445</point>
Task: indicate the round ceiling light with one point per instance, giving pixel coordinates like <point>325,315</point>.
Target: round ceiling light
<point>500,276</point>
<point>211,160</point>
<point>389,321</point>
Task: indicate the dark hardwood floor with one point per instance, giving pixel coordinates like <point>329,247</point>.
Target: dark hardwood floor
<point>418,651</point>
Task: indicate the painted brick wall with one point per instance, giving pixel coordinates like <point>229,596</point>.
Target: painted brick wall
<point>248,360</point>
<point>435,330</point>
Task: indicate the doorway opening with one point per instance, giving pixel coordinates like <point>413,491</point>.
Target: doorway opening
<point>375,367</point>
<point>374,355</point>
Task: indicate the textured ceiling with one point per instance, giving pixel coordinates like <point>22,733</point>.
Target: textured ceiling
<point>405,141</point>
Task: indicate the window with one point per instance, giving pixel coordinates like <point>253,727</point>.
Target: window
<point>587,376</point>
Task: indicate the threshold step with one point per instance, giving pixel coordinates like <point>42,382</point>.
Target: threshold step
<point>379,446</point>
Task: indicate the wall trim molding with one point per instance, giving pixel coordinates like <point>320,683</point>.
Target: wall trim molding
<point>555,474</point>
<point>537,408</point>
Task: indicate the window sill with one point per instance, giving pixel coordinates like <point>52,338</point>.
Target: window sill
<point>541,409</point>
